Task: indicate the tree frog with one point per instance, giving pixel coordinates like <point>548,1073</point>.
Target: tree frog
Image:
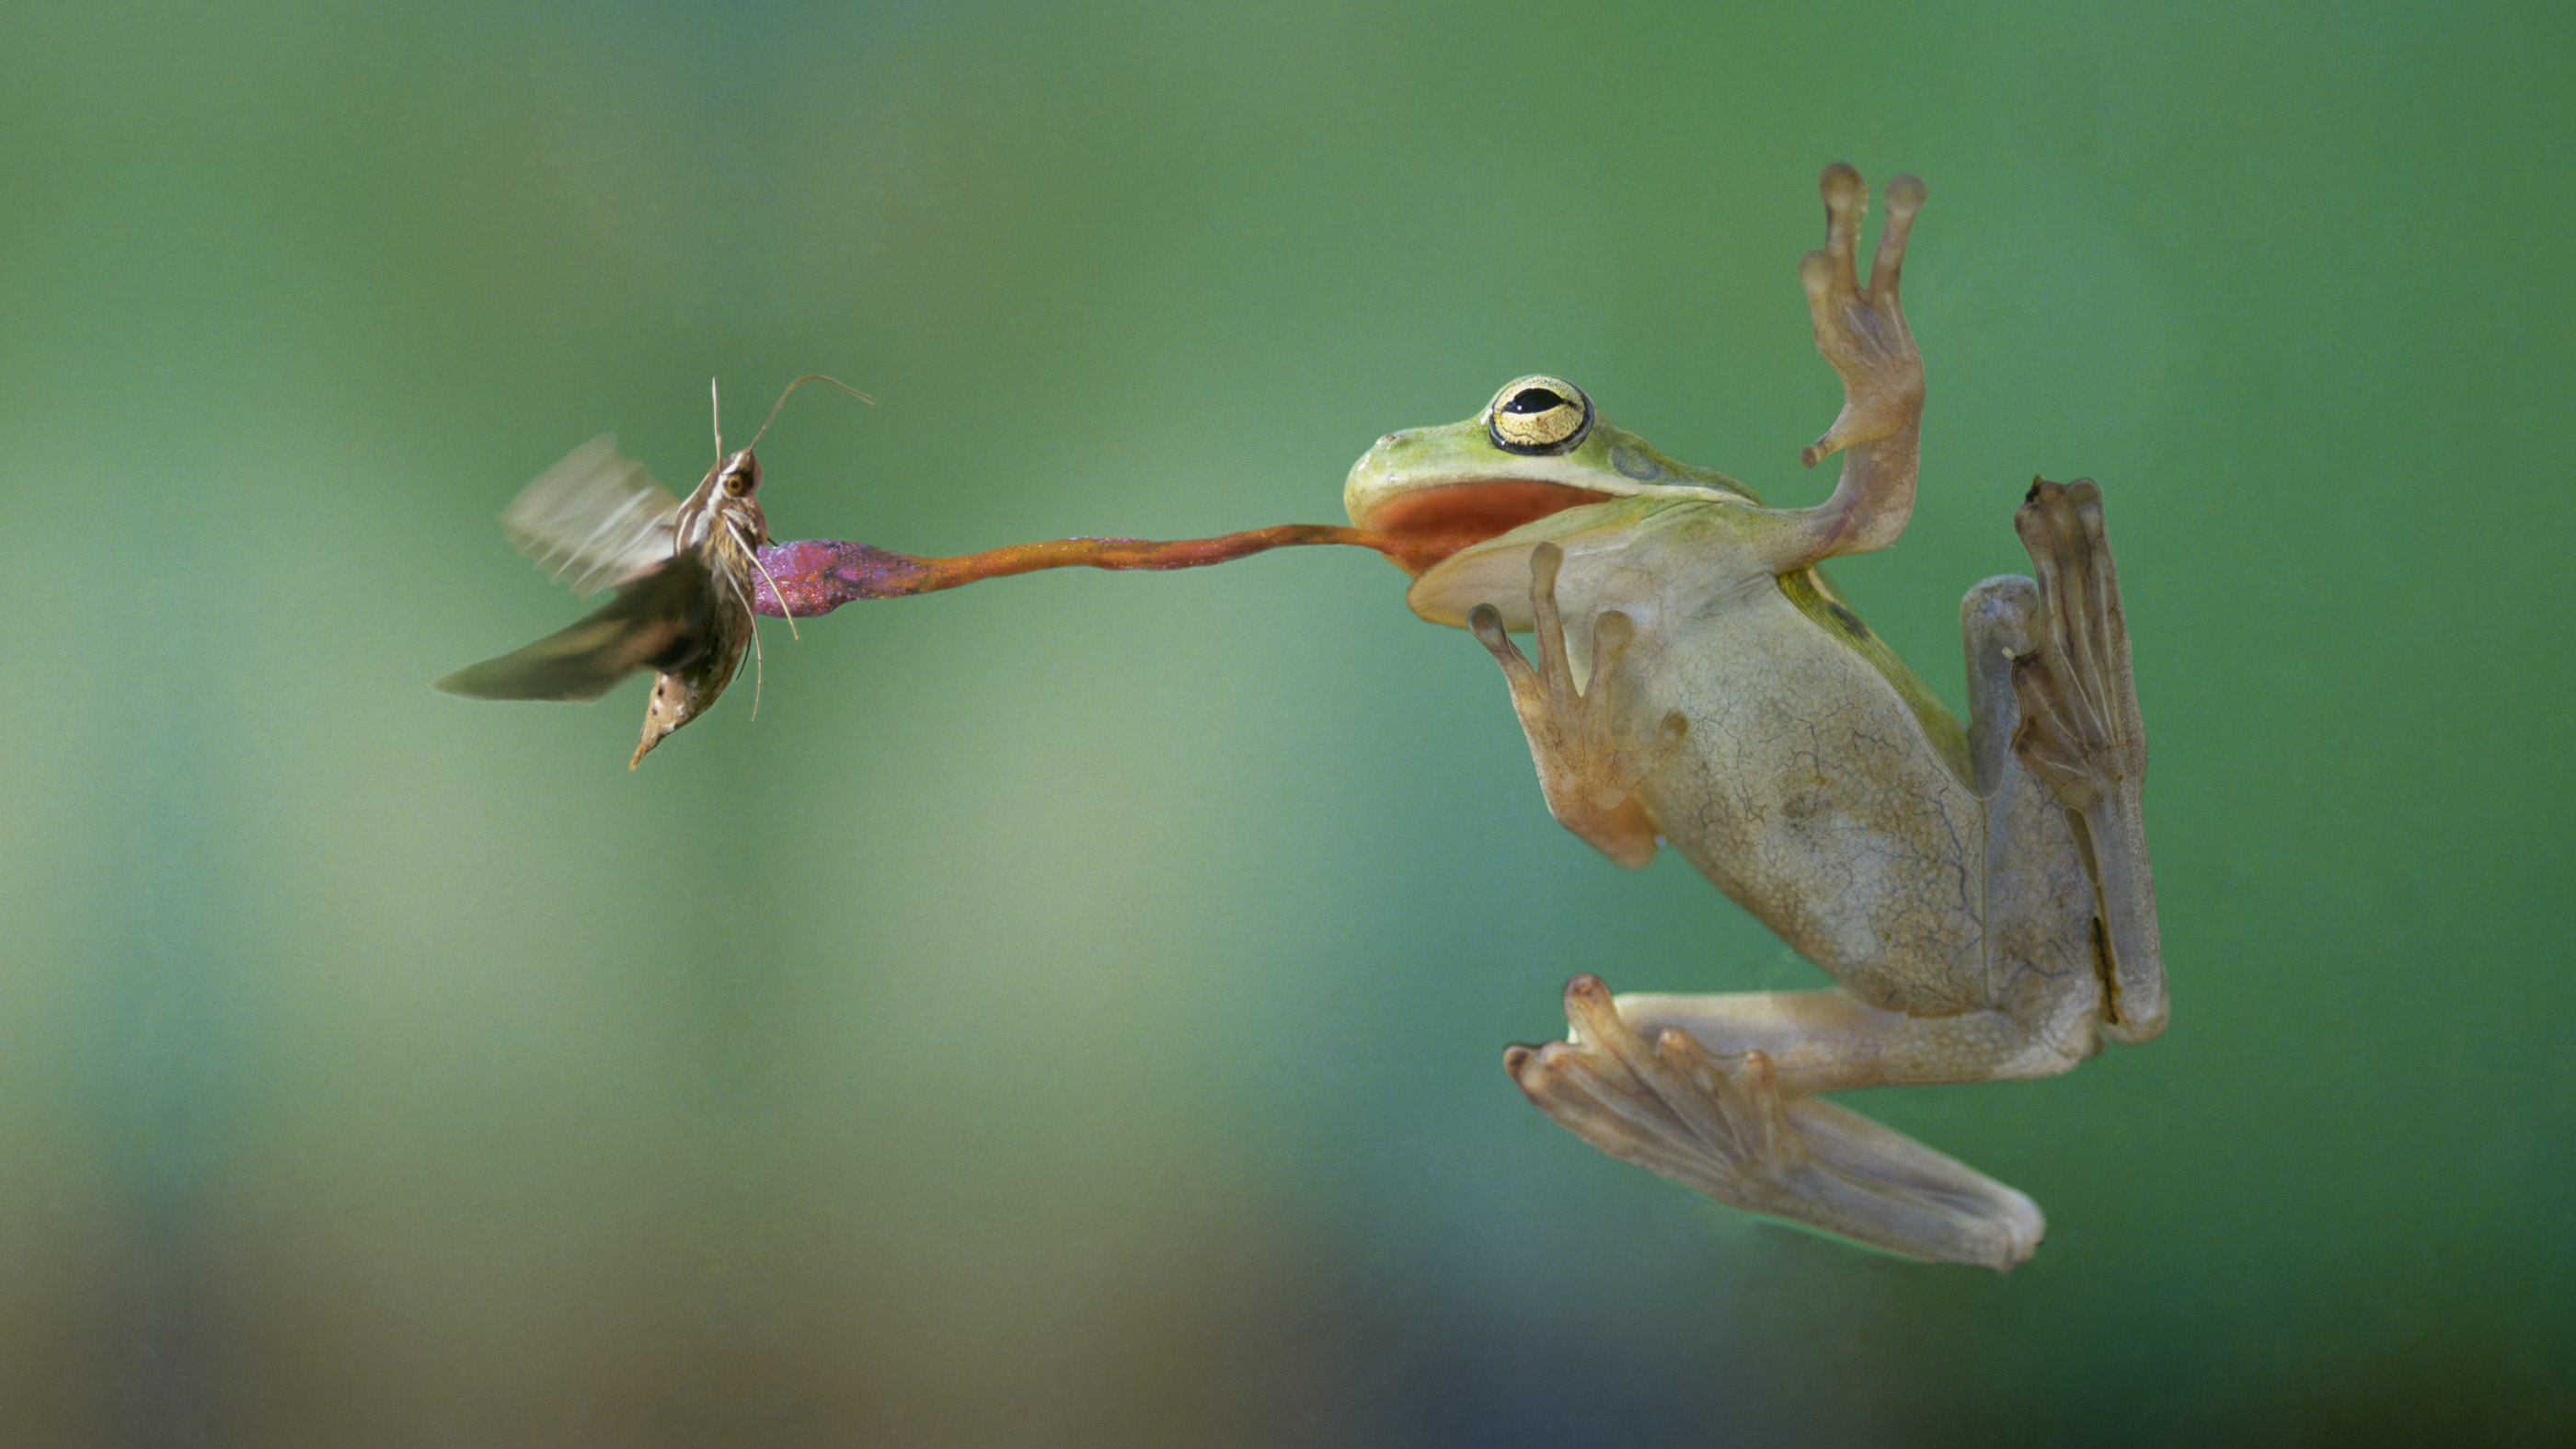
<point>1980,894</point>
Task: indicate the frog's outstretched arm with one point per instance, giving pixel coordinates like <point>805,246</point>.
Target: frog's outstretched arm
<point>1862,332</point>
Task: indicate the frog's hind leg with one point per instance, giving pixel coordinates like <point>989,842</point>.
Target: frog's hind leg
<point>2080,736</point>
<point>1720,1125</point>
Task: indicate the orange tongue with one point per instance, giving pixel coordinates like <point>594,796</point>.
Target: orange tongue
<point>816,576</point>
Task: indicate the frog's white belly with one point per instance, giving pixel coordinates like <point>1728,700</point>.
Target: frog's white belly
<point>1807,791</point>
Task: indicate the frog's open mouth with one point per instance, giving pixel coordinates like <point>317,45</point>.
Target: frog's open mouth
<point>1430,524</point>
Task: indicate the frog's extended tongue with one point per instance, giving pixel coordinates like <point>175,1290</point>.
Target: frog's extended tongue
<point>816,576</point>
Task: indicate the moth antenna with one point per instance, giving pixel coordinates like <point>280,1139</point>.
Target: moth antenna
<point>779,594</point>
<point>715,401</point>
<point>791,388</point>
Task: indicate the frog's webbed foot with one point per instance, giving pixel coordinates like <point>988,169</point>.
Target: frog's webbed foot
<point>1587,772</point>
<point>2080,732</point>
<point>2081,737</point>
<point>1720,1126</point>
<point>1861,330</point>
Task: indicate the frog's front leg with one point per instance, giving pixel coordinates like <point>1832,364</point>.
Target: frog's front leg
<point>1587,772</point>
<point>1720,1125</point>
<point>1861,330</point>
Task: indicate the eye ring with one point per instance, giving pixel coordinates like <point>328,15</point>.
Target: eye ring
<point>1539,415</point>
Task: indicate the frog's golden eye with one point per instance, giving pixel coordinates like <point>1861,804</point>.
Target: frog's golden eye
<point>1539,414</point>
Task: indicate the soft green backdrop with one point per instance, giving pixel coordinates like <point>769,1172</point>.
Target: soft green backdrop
<point>1071,1013</point>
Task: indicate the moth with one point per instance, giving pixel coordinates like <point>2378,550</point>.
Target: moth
<point>682,569</point>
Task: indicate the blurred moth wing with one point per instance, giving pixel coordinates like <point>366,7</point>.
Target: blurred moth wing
<point>594,520</point>
<point>649,623</point>
<point>681,570</point>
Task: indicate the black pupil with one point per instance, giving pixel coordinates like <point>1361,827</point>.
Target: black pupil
<point>1533,400</point>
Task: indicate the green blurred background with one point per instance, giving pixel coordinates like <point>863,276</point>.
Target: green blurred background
<point>1071,1013</point>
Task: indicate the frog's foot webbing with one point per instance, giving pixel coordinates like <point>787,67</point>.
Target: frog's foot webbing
<point>2079,731</point>
<point>2081,737</point>
<point>1587,771</point>
<point>1719,1125</point>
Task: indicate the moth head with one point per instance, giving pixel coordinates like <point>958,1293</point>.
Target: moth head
<point>738,476</point>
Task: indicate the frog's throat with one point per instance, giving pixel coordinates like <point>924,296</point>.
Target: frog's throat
<point>1434,523</point>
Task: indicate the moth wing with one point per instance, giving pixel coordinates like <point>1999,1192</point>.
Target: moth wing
<point>594,519</point>
<point>654,622</point>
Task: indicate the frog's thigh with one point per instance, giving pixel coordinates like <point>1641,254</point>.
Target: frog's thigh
<point>2032,875</point>
<point>1829,1041</point>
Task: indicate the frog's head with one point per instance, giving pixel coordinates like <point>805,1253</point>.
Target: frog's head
<point>1461,498</point>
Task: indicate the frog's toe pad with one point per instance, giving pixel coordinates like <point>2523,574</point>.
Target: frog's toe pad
<point>1671,1106</point>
